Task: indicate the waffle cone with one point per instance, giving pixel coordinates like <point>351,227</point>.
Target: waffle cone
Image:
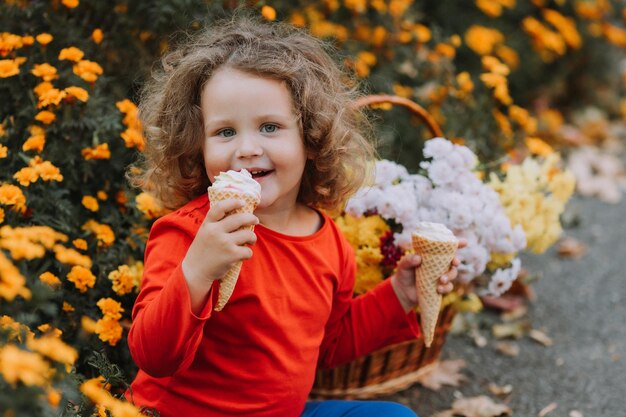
<point>436,259</point>
<point>227,284</point>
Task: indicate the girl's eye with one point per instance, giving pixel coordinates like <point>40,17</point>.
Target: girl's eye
<point>269,128</point>
<point>226,133</point>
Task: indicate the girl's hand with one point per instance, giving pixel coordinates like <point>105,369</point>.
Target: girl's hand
<point>218,244</point>
<point>403,281</point>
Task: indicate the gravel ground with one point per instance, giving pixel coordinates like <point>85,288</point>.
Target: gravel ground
<point>580,305</point>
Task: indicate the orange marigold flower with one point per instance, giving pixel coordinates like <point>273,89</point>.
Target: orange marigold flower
<point>42,88</point>
<point>97,36</point>
<point>422,33</point>
<point>90,203</point>
<point>71,54</point>
<point>28,40</point>
<point>110,308</point>
<point>508,55</point>
<point>44,38</point>
<point>483,40</point>
<point>46,170</point>
<point>12,282</point>
<point>80,244</point>
<point>45,116</point>
<point>54,348</point>
<point>109,330</point>
<point>1,215</point>
<point>103,232</point>
<point>10,67</point>
<point>503,123</point>
<point>4,151</point>
<point>537,146</point>
<point>614,34</point>
<point>9,42</point>
<point>50,279</point>
<point>123,280</point>
<point>566,27</point>
<point>70,256</point>
<point>149,206</point>
<point>2,130</point>
<point>54,397</point>
<point>70,4</point>
<point>88,324</point>
<point>11,195</point>
<point>133,138</point>
<point>52,96</point>
<point>80,93</point>
<point>67,307</point>
<point>102,195</point>
<point>491,8</point>
<point>493,65</point>
<point>26,176</point>
<point>268,13</point>
<point>34,143</point>
<point>45,71</point>
<point>82,278</point>
<point>29,368</point>
<point>99,152</point>
<point>87,70</point>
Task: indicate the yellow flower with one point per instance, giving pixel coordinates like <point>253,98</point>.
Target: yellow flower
<point>90,203</point>
<point>54,348</point>
<point>97,36</point>
<point>149,206</point>
<point>44,38</point>
<point>50,279</point>
<point>483,40</point>
<point>87,70</point>
<point>124,280</point>
<point>103,232</point>
<point>536,146</point>
<point>54,397</point>
<point>71,54</point>
<point>10,67</point>
<point>26,176</point>
<point>77,92</point>
<point>12,195</point>
<point>268,13</point>
<point>52,96</point>
<point>12,282</point>
<point>45,71</point>
<point>82,278</point>
<point>46,117</point>
<point>110,308</point>
<point>42,88</point>
<point>80,244</point>
<point>70,4</point>
<point>29,368</point>
<point>98,152</point>
<point>109,330</point>
<point>70,256</point>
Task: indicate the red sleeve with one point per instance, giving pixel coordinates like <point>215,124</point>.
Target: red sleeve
<point>165,333</point>
<point>358,326</point>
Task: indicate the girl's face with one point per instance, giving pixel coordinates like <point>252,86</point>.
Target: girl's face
<point>249,123</point>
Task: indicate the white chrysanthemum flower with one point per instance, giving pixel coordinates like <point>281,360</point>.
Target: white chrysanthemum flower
<point>502,279</point>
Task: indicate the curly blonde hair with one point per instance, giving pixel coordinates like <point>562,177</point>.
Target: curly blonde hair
<point>172,167</point>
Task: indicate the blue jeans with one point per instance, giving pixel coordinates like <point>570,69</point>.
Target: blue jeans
<point>337,408</point>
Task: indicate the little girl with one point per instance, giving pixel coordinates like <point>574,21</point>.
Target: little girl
<point>269,99</point>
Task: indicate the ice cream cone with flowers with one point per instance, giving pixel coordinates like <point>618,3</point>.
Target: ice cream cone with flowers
<point>237,185</point>
<point>436,245</point>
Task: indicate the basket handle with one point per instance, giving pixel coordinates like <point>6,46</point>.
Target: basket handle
<point>418,110</point>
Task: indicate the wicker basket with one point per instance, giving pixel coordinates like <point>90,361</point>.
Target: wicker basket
<point>397,366</point>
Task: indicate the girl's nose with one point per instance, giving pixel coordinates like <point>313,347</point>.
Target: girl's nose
<point>249,145</point>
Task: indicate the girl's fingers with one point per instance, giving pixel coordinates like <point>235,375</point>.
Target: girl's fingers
<point>234,222</point>
<point>462,243</point>
<point>219,209</point>
<point>243,237</point>
<point>409,261</point>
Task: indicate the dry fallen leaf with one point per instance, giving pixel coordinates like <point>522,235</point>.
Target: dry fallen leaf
<point>575,413</point>
<point>515,329</point>
<point>515,314</point>
<point>541,337</point>
<point>508,348</point>
<point>570,247</point>
<point>500,390</point>
<point>481,406</point>
<point>443,373</point>
<point>547,409</point>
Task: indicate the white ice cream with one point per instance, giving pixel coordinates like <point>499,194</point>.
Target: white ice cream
<point>435,232</point>
<point>238,180</point>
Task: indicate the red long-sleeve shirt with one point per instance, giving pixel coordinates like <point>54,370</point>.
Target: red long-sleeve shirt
<point>292,310</point>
